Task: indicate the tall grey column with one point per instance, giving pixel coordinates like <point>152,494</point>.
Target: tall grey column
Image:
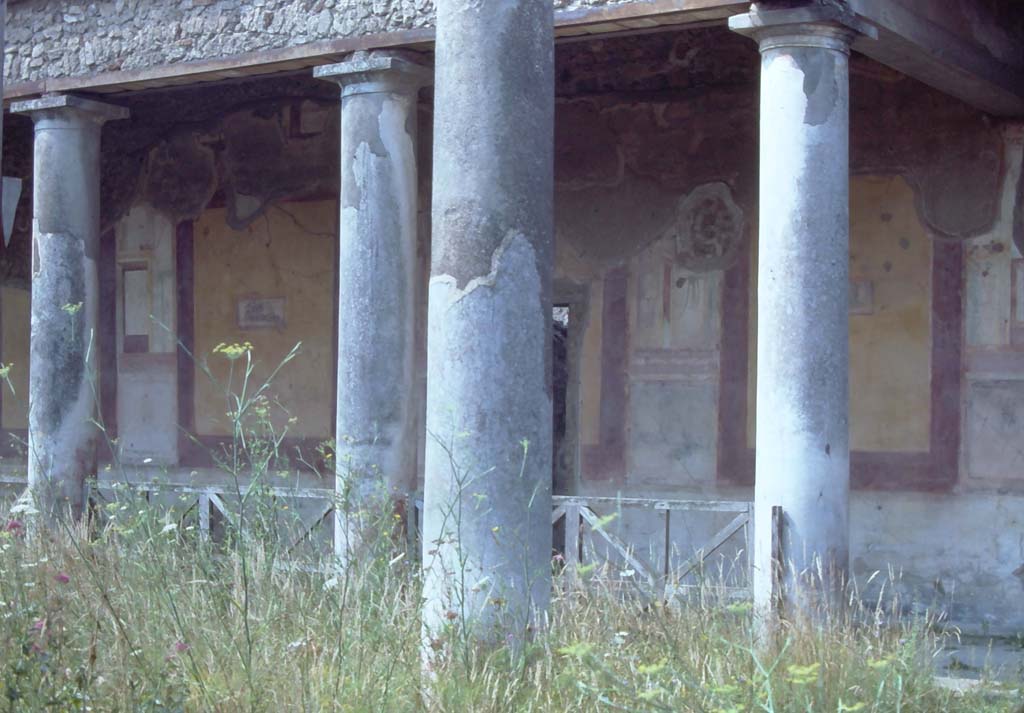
<point>487,503</point>
<point>803,452</point>
<point>375,439</point>
<point>65,298</point>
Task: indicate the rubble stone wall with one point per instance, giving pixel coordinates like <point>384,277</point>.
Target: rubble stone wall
<point>56,38</point>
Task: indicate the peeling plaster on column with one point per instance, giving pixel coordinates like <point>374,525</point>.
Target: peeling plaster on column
<point>482,339</point>
<point>802,450</point>
<point>375,442</point>
<point>488,462</point>
<point>487,280</point>
<point>65,300</point>
<point>62,374</point>
<point>821,99</point>
<point>397,130</point>
<point>373,428</point>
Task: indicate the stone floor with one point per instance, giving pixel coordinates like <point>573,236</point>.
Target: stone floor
<point>963,664</point>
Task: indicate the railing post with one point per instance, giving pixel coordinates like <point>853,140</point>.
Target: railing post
<point>778,559</point>
<point>203,506</point>
<point>410,520</point>
<point>667,568</point>
<point>749,537</point>
<point>572,542</point>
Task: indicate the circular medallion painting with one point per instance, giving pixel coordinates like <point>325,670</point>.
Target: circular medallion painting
<point>708,228</point>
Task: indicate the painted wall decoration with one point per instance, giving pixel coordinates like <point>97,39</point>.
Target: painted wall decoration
<point>261,313</point>
<point>284,275</point>
<point>708,228</point>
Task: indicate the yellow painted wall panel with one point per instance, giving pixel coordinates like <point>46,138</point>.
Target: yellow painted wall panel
<point>289,253</point>
<point>16,306</point>
<point>890,320</point>
<point>890,342</point>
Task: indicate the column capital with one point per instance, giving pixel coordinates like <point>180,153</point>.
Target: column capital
<point>377,71</point>
<point>827,27</point>
<point>61,104</point>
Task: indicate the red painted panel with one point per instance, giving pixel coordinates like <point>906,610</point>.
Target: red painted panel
<point>607,459</point>
<point>936,470</point>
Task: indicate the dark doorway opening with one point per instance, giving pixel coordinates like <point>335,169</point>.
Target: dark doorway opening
<point>559,404</point>
<point>560,384</point>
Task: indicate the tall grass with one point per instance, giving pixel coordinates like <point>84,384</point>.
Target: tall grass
<point>143,616</point>
<point>135,610</point>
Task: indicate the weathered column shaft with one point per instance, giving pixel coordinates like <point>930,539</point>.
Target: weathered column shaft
<point>487,518</point>
<point>375,439</point>
<point>65,298</point>
<point>802,449</point>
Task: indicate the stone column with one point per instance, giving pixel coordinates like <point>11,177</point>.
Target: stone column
<point>375,438</point>
<point>487,502</point>
<point>802,449</point>
<point>65,298</point>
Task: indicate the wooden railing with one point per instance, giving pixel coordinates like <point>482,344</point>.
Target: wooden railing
<point>592,514</point>
<point>582,516</point>
<point>210,499</point>
<point>207,500</point>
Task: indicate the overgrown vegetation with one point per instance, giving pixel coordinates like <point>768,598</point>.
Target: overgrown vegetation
<point>144,616</point>
<point>137,610</point>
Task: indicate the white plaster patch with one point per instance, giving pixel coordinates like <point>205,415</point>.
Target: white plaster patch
<point>486,395</point>
<point>511,238</point>
<point>394,135</point>
<point>53,456</point>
